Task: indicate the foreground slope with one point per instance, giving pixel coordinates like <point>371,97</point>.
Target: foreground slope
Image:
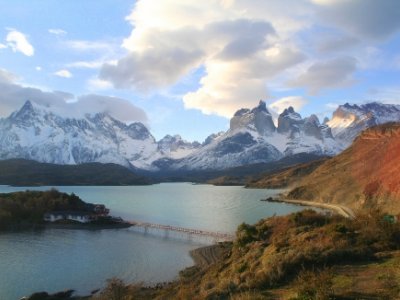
<point>363,176</point>
<point>305,255</point>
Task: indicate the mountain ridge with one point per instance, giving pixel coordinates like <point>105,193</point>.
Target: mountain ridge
<point>36,132</point>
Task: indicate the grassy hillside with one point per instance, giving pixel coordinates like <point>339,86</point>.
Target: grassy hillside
<point>305,255</point>
<point>21,172</point>
<point>363,176</point>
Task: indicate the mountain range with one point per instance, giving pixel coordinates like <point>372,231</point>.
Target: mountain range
<point>37,133</point>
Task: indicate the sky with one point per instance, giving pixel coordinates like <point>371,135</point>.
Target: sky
<point>185,66</point>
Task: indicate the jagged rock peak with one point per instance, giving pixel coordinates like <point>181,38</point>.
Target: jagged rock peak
<point>312,119</point>
<point>262,106</point>
<point>25,109</point>
<point>290,112</point>
<point>289,121</point>
<point>212,137</point>
<point>258,119</point>
<point>27,105</point>
<point>138,131</point>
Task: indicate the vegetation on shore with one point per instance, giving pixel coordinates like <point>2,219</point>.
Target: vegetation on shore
<point>305,255</point>
<point>26,209</point>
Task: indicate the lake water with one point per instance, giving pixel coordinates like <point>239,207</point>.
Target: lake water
<point>58,259</point>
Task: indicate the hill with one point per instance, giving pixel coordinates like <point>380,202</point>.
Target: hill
<point>363,176</point>
<point>20,172</point>
<point>243,175</point>
<point>286,177</point>
<point>304,255</point>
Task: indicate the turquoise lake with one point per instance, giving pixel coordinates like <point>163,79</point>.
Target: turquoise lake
<point>59,259</point>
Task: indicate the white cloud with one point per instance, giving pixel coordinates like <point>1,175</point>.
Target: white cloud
<point>296,102</point>
<point>82,45</point>
<point>333,73</point>
<point>239,49</point>
<point>14,95</point>
<point>38,68</point>
<point>245,47</point>
<point>98,84</point>
<point>63,73</point>
<point>18,42</point>
<point>96,64</point>
<point>2,46</point>
<point>57,31</point>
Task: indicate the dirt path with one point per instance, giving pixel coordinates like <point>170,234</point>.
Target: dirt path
<point>340,209</point>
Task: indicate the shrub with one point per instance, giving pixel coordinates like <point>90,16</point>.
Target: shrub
<point>314,285</point>
<point>245,234</point>
<point>309,217</point>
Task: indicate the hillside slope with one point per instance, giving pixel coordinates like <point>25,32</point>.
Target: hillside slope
<point>22,172</point>
<point>363,176</point>
<point>286,177</point>
<point>305,255</point>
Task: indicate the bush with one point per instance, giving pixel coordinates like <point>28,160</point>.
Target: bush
<point>309,217</point>
<point>245,234</point>
<point>314,285</point>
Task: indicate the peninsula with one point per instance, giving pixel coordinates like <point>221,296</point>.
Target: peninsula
<point>40,209</point>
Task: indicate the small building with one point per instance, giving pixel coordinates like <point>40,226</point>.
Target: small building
<point>81,217</point>
<point>100,210</point>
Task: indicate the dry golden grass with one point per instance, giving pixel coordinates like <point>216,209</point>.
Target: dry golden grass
<point>275,258</point>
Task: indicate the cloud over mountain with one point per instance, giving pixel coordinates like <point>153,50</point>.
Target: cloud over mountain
<point>14,95</point>
<point>240,46</point>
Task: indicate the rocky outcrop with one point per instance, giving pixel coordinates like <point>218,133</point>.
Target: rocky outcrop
<point>259,119</point>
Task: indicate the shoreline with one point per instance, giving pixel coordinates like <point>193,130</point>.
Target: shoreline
<point>87,226</point>
<point>337,208</point>
<point>30,227</point>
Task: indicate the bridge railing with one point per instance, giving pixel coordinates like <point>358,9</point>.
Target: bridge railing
<point>213,234</point>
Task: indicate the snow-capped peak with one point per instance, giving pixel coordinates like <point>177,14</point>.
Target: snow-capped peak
<point>349,120</point>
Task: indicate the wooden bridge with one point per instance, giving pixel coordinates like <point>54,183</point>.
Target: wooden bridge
<point>220,236</point>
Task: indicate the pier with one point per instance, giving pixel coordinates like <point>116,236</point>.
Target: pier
<point>220,236</point>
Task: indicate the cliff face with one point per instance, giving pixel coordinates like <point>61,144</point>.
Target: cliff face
<point>365,175</point>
